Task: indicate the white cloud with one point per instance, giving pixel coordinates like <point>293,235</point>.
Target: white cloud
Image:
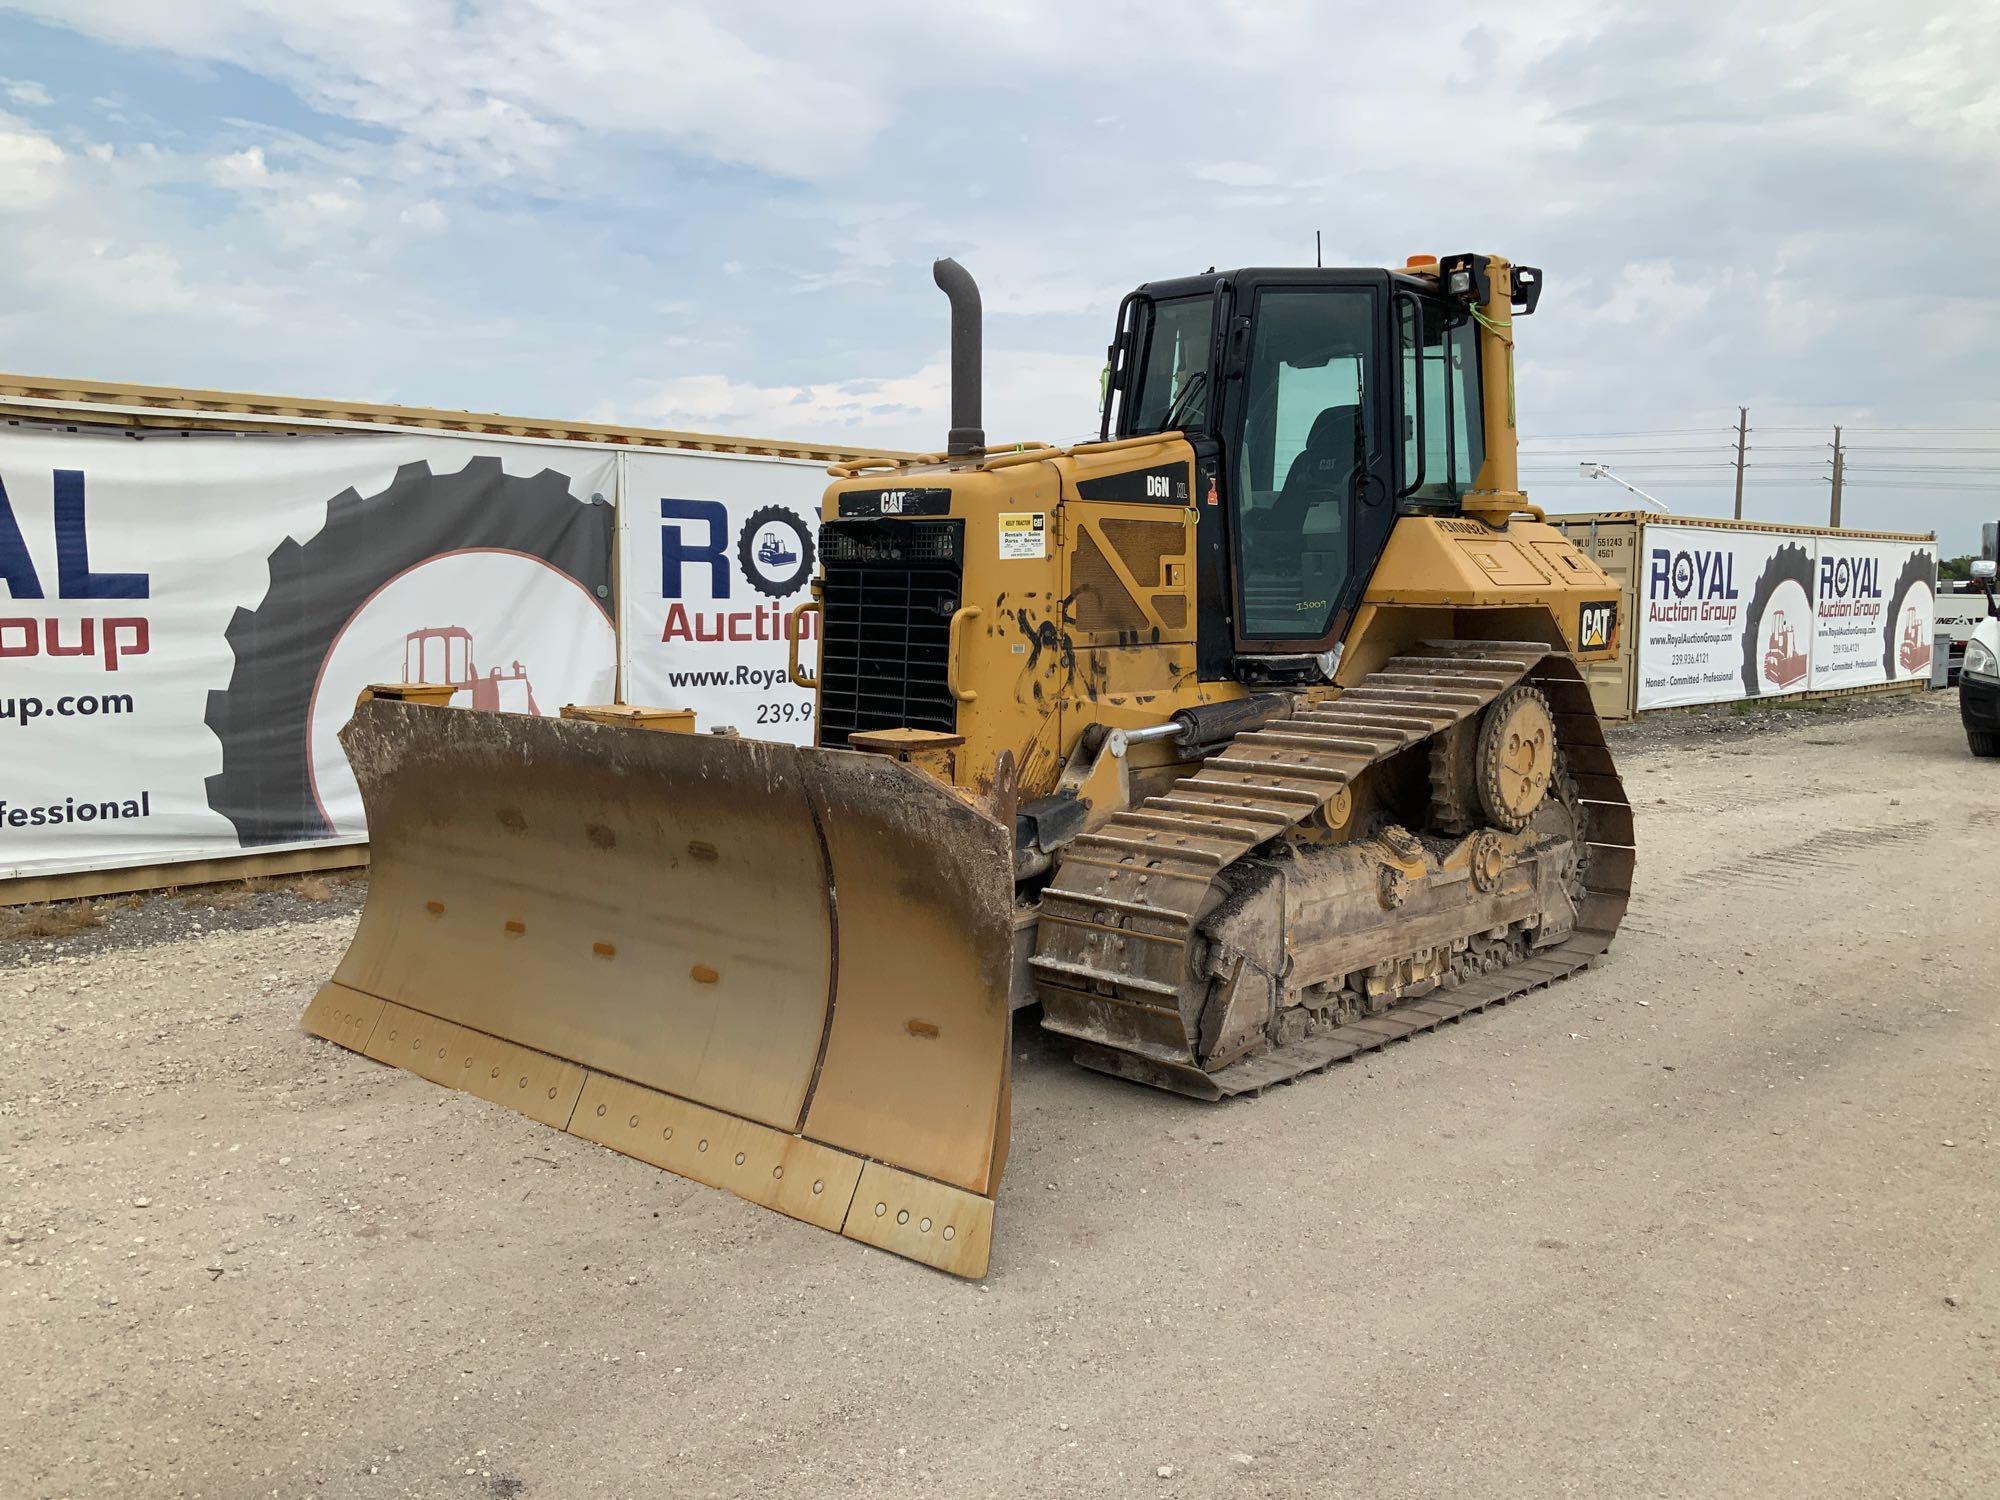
<point>529,201</point>
<point>142,279</point>
<point>1030,396</point>
<point>27,93</point>
<point>1240,174</point>
<point>1655,295</point>
<point>241,170</point>
<point>426,217</point>
<point>31,165</point>
<point>502,86</point>
<point>892,411</point>
<point>96,274</point>
<point>307,207</point>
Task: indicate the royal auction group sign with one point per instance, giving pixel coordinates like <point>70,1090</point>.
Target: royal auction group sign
<point>186,621</point>
<point>1727,613</point>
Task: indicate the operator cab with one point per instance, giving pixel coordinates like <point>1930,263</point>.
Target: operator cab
<point>1321,404</point>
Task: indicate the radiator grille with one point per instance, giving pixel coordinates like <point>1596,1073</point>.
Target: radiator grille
<point>1144,547</point>
<point>891,589</point>
<point>1098,601</point>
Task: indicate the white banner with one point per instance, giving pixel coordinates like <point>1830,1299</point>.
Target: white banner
<point>1727,614</point>
<point>1874,613</point>
<point>715,553</point>
<point>1722,614</point>
<point>185,622</point>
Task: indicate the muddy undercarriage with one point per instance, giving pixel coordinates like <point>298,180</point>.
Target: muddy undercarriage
<point>1182,950</point>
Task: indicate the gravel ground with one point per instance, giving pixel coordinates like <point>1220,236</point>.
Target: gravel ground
<point>146,922</point>
<point>1752,717</point>
<point>1717,1218</point>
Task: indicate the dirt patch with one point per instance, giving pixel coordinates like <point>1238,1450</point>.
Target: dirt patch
<point>57,919</point>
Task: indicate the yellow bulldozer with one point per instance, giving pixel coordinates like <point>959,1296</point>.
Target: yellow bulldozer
<point>1246,738</point>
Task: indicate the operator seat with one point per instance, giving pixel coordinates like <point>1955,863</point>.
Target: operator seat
<point>1324,469</point>
<point>1322,473</point>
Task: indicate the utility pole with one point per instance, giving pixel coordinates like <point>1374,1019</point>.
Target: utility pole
<point>1839,465</point>
<point>1742,432</point>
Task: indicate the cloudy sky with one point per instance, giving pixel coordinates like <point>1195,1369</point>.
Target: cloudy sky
<point>722,216</point>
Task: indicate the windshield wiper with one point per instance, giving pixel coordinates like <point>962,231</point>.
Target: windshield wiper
<point>1184,401</point>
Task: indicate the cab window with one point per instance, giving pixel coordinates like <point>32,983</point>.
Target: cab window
<point>1308,428</point>
<point>1443,435</point>
<point>1171,392</point>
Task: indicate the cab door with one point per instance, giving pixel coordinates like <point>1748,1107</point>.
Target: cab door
<point>1309,468</point>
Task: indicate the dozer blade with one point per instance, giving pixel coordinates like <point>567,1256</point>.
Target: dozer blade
<point>774,970</point>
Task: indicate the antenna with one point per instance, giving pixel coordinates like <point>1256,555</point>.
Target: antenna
<point>1317,262</point>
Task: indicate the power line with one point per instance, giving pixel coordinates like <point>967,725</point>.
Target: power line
<point>1587,437</point>
<point>1529,446</point>
<point>1926,431</point>
<point>1933,489</point>
<point>1904,471</point>
<point>1727,432</point>
<point>1851,448</point>
<point>1629,452</point>
<point>1783,468</point>
<point>1665,468</point>
<point>1528,451</point>
<point>1701,460</point>
<point>1900,448</point>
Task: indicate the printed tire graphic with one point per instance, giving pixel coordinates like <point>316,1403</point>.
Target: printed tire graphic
<point>263,717</point>
<point>1789,564</point>
<point>788,583</point>
<point>1917,570</point>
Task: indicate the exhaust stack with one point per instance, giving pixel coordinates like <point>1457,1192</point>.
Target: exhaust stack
<point>966,435</point>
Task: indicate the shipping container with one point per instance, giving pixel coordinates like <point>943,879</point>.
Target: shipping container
<point>1721,611</point>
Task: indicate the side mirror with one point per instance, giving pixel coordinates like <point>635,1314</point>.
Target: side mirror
<point>1982,574</point>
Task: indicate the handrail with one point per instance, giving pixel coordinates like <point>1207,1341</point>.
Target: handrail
<point>1027,453</point>
<point>958,619</point>
<point>1137,440</point>
<point>794,628</point>
<point>855,468</point>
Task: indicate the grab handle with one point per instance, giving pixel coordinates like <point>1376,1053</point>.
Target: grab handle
<point>794,628</point>
<point>958,619</point>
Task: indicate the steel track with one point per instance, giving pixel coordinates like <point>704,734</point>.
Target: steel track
<point>1117,921</point>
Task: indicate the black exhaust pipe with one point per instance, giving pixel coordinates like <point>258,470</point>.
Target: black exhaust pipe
<point>967,435</point>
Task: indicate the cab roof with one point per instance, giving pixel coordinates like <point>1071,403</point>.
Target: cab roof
<point>1205,284</point>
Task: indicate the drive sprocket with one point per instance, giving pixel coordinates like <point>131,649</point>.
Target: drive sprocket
<point>1516,757</point>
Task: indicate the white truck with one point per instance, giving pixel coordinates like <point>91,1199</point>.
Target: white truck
<point>1959,609</point>
<point>1979,672</point>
